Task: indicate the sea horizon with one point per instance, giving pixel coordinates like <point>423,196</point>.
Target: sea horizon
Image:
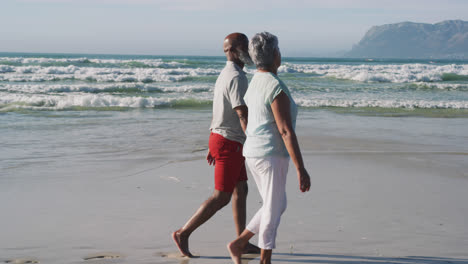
<point>221,55</point>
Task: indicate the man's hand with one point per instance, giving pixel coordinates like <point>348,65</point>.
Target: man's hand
<point>210,159</point>
<point>304,180</point>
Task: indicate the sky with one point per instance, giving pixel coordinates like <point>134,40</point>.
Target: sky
<point>190,27</point>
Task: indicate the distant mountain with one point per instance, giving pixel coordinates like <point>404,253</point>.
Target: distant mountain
<point>447,39</point>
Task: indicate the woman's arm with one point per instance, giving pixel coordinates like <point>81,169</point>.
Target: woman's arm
<point>282,113</point>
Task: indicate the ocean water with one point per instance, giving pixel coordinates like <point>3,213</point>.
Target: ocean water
<point>51,82</point>
<point>79,135</point>
<point>80,106</point>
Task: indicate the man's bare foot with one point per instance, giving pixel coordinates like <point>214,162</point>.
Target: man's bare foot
<point>182,243</point>
<point>235,250</point>
<point>251,249</point>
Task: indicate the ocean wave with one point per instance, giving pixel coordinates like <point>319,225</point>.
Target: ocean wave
<point>9,101</point>
<point>381,103</point>
<point>6,68</point>
<point>120,88</point>
<point>392,73</point>
<point>12,102</point>
<point>134,63</point>
<point>441,86</point>
<point>71,72</point>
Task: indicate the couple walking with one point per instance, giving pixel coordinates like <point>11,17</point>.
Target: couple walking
<point>255,121</point>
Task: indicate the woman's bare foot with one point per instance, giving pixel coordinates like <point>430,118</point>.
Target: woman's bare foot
<point>251,249</point>
<point>236,249</point>
<point>181,242</point>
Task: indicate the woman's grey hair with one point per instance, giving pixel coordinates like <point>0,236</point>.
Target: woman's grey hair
<point>262,48</point>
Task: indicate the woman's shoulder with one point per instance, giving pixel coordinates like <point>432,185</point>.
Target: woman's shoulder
<point>267,80</point>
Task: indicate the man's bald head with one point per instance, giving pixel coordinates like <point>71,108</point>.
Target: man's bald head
<point>236,40</point>
<point>236,46</point>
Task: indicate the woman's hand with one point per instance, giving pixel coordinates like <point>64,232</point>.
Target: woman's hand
<point>210,159</point>
<point>304,179</point>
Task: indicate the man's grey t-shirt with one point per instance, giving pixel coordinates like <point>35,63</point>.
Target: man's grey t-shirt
<point>229,92</point>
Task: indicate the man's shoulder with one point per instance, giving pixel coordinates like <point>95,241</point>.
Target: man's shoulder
<point>232,72</point>
<point>228,78</point>
<point>240,77</point>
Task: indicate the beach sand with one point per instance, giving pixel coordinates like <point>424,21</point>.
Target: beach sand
<point>373,199</point>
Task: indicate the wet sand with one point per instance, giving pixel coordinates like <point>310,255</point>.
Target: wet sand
<point>373,200</point>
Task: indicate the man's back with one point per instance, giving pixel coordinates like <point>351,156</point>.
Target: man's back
<point>229,92</point>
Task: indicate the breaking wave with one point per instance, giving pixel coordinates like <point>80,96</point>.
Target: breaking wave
<point>392,73</point>
<point>120,88</point>
<point>86,100</point>
<point>87,83</point>
<point>91,101</point>
<point>71,72</point>
<point>91,62</point>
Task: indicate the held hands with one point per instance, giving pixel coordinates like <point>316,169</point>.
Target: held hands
<point>304,180</point>
<point>210,159</point>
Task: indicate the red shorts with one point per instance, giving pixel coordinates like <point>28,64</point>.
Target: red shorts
<point>229,162</point>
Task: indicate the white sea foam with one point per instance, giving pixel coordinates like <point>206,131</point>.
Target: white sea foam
<point>41,60</point>
<point>395,73</point>
<point>383,103</point>
<point>443,86</point>
<point>102,88</point>
<point>6,68</point>
<point>47,83</point>
<point>392,73</point>
<point>144,75</point>
<point>65,101</point>
<point>147,62</point>
<point>59,102</point>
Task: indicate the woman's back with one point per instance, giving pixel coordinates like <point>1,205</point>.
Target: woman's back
<point>263,137</point>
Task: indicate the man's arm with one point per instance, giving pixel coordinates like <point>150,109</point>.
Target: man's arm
<point>242,113</point>
<point>237,89</point>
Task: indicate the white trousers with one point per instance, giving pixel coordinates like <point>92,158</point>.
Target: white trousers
<point>270,175</point>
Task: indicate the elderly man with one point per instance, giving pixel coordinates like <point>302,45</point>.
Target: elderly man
<point>225,145</point>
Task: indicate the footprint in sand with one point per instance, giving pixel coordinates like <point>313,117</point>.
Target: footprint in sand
<point>103,255</point>
<point>21,261</point>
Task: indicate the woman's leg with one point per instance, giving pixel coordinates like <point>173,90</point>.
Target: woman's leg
<point>236,247</point>
<point>274,200</point>
<point>254,224</point>
<point>265,257</point>
<point>270,176</point>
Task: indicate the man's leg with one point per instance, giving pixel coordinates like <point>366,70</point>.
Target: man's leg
<point>239,206</point>
<point>239,212</point>
<point>213,204</point>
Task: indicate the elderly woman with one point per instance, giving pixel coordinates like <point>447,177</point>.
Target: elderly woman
<point>271,142</point>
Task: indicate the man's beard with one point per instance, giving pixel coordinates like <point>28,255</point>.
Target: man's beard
<point>245,58</point>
